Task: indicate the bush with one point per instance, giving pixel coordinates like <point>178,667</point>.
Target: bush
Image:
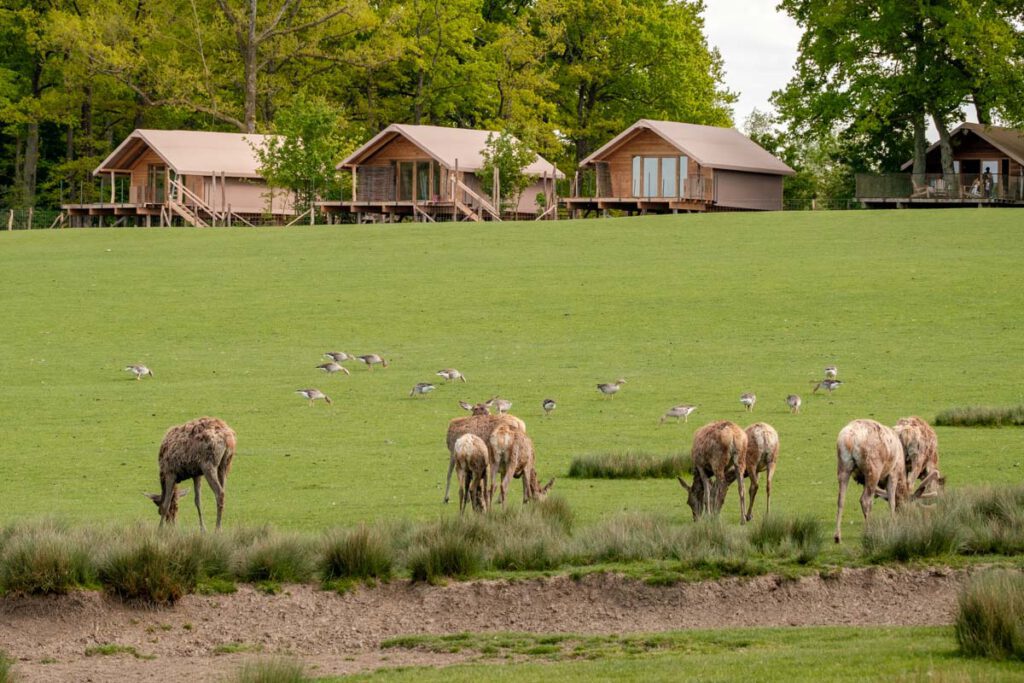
<point>981,416</point>
<point>277,558</point>
<point>151,570</point>
<point>361,553</point>
<point>990,618</point>
<point>271,671</point>
<point>45,563</point>
<point>629,465</point>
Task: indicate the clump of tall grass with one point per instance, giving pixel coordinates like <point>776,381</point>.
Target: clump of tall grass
<point>627,537</point>
<point>981,416</point>
<point>990,618</point>
<point>801,537</point>
<point>450,548</point>
<point>46,561</point>
<point>360,553</point>
<point>630,465</point>
<point>277,558</point>
<point>531,538</point>
<point>271,671</point>
<point>151,569</point>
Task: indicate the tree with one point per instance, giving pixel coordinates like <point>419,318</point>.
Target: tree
<point>509,156</point>
<point>303,156</point>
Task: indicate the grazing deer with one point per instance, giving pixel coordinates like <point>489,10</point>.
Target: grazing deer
<point>203,447</point>
<point>921,453</point>
<point>873,455</point>
<point>481,423</point>
<point>718,447</point>
<point>761,456</point>
<point>513,455</point>
<point>473,467</point>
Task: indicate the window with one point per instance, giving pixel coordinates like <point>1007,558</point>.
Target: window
<point>405,180</point>
<point>684,173</point>
<point>422,181</point>
<point>650,177</point>
<point>669,188</point>
<point>636,177</point>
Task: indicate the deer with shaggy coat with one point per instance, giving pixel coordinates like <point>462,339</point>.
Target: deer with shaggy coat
<point>921,452</point>
<point>473,468</point>
<point>480,423</point>
<point>513,455</point>
<point>872,454</point>
<point>761,456</point>
<point>203,447</point>
<point>718,449</point>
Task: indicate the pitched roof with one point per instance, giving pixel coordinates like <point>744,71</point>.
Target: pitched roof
<point>710,146</point>
<point>446,145</point>
<point>1009,141</point>
<point>190,152</point>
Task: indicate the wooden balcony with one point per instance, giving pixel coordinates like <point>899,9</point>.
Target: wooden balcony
<point>934,190</point>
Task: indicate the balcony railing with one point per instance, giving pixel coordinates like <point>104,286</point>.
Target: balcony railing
<point>965,187</point>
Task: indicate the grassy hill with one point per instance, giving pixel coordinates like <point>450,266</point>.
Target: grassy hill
<point>920,310</point>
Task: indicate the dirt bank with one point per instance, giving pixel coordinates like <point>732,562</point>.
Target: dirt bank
<point>204,638</point>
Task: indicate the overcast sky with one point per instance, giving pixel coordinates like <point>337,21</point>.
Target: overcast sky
<point>758,45</point>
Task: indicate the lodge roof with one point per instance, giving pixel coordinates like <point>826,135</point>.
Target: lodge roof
<point>710,146</point>
<point>1009,141</point>
<point>447,146</point>
<point>190,152</point>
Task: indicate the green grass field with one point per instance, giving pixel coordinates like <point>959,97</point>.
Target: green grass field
<point>920,310</point>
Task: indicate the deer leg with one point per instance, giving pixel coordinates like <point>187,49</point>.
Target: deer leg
<point>448,483</point>
<point>199,507</point>
<point>463,490</point>
<point>506,480</point>
<point>218,490</point>
<point>706,486</point>
<point>844,481</point>
<point>891,490</point>
<point>768,488</point>
<point>170,497</point>
<point>754,486</point>
<point>739,482</point>
<point>867,497</point>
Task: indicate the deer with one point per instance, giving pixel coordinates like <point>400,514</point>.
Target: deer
<point>718,447</point>
<point>513,455</point>
<point>921,453</point>
<point>473,468</point>
<point>761,455</point>
<point>481,423</point>
<point>203,447</point>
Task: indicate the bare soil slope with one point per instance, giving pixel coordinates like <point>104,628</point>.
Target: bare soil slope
<point>206,638</point>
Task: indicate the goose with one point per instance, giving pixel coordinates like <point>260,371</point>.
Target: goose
<point>332,367</point>
<point>748,400</point>
<point>610,389</point>
<point>828,384</point>
<point>421,388</point>
<point>548,405</point>
<point>313,395</point>
<point>339,356</point>
<point>793,401</point>
<point>139,371</point>
<point>372,359</point>
<point>680,411</point>
<point>502,405</point>
<point>831,371</point>
<point>450,374</point>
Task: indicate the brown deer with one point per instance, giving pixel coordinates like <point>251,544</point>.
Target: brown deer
<point>473,468</point>
<point>513,455</point>
<point>718,447</point>
<point>873,455</point>
<point>921,453</point>
<point>481,423</point>
<point>761,456</point>
<point>203,447</point>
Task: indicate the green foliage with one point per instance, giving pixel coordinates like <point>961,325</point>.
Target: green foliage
<point>509,156</point>
<point>981,416</point>
<point>630,465</point>
<point>990,616</point>
<point>362,553</point>
<point>310,140</point>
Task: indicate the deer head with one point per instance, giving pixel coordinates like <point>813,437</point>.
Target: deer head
<point>695,496</point>
<point>171,514</point>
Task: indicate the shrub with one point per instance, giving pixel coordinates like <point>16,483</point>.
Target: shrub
<point>981,416</point>
<point>629,465</point>
<point>361,553</point>
<point>277,558</point>
<point>990,618</point>
<point>271,671</point>
<point>45,563</point>
<point>157,571</point>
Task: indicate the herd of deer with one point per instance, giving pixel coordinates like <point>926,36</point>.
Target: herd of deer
<point>486,451</point>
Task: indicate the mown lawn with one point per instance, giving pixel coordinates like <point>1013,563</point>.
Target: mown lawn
<point>920,310</point>
<point>775,654</point>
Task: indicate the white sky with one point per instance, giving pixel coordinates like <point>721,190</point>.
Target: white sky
<point>758,45</point>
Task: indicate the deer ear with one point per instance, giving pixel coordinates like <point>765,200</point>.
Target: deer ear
<point>465,406</point>
<point>155,497</point>
<point>683,484</point>
<point>180,492</point>
<point>549,485</point>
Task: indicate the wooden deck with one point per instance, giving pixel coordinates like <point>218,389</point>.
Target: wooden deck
<point>633,205</point>
<point>934,202</point>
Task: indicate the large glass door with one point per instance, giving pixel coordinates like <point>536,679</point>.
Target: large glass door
<point>650,176</point>
<point>155,183</point>
<point>405,170</point>
<point>423,181</point>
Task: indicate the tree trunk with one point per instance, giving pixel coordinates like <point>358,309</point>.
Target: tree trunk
<point>250,57</point>
<point>982,109</point>
<point>28,196</point>
<point>920,149</point>
<point>946,149</point>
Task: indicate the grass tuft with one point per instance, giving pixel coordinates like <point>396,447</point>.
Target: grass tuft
<point>361,553</point>
<point>158,571</point>
<point>802,537</point>
<point>7,674</point>
<point>45,563</point>
<point>629,465</point>
<point>278,558</point>
<point>271,671</point>
<point>981,416</point>
<point>450,548</point>
<point>990,618</point>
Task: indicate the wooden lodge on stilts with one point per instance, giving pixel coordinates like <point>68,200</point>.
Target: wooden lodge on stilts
<point>181,177</point>
<point>432,173</point>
